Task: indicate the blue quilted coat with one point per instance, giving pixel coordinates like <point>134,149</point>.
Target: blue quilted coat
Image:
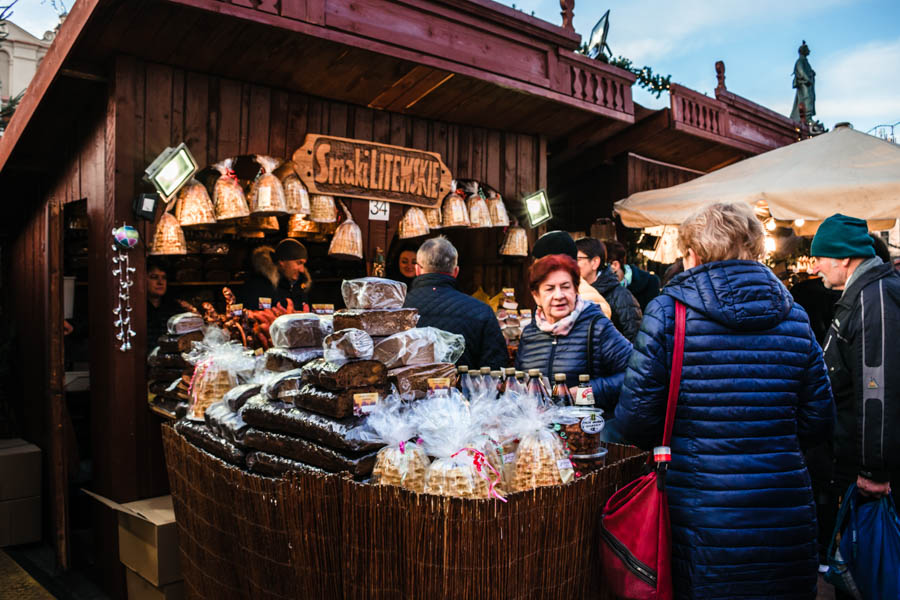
<point>753,389</point>
<point>568,354</point>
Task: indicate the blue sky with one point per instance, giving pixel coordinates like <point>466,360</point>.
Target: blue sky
<point>855,47</point>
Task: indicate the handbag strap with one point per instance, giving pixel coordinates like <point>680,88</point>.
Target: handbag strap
<point>590,346</point>
<point>677,362</point>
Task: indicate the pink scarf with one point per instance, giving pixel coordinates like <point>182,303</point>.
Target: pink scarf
<point>564,325</point>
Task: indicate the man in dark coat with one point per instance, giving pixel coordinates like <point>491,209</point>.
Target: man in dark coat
<point>440,304</point>
<point>861,355</point>
<point>278,275</point>
<point>643,285</point>
<point>626,312</point>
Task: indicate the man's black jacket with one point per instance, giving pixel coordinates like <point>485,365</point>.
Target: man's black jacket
<point>626,312</point>
<point>863,360</point>
<point>443,306</point>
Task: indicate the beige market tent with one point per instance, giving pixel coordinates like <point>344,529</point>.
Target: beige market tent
<point>843,171</point>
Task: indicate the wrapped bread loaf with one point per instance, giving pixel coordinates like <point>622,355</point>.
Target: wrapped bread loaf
<point>184,323</point>
<point>287,359</point>
<point>271,465</point>
<point>373,293</point>
<point>166,361</point>
<point>336,404</point>
<point>347,344</point>
<point>200,435</point>
<point>283,385</point>
<point>237,396</point>
<point>352,374</point>
<point>287,418</point>
<point>377,322</point>
<point>172,344</point>
<point>308,452</point>
<point>413,380</point>
<point>225,422</point>
<point>298,330</point>
<point>419,346</point>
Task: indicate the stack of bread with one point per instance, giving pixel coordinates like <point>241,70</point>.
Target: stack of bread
<point>168,373</point>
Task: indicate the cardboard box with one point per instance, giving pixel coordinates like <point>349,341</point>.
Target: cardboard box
<point>148,538</point>
<point>141,589</point>
<point>20,521</point>
<point>20,469</point>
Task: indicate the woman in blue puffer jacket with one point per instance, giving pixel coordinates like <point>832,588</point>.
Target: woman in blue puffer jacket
<point>564,324</point>
<point>754,389</point>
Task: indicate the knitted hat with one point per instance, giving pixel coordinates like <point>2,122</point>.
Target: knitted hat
<point>555,242</point>
<point>289,249</point>
<point>840,236</point>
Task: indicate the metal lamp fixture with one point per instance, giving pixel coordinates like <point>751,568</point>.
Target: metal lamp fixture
<point>537,205</point>
<point>170,170</point>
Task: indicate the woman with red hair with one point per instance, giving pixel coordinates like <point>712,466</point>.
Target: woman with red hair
<point>569,335</point>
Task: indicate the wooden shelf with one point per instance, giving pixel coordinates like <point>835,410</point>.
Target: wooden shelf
<point>204,283</point>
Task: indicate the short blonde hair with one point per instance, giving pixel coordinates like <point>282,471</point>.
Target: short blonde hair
<point>723,231</point>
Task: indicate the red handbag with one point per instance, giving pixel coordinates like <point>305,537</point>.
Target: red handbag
<point>636,537</point>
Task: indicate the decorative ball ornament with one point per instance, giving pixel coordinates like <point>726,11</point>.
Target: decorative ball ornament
<point>126,236</point>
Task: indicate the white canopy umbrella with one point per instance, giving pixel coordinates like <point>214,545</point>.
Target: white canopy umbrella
<point>843,171</point>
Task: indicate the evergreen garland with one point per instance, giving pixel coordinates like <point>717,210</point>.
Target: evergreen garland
<point>654,83</point>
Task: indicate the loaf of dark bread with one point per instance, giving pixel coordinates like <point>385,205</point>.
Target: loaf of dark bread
<point>287,359</point>
<point>337,405</point>
<point>352,374</point>
<point>200,435</point>
<point>271,465</point>
<point>377,322</point>
<point>287,418</point>
<point>373,292</point>
<point>299,330</point>
<point>174,344</point>
<point>414,379</point>
<point>295,448</point>
<point>236,397</point>
<point>348,344</point>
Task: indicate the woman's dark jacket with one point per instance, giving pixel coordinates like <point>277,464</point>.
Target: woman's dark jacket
<point>644,286</point>
<point>443,306</point>
<point>626,312</point>
<point>753,387</point>
<point>569,354</point>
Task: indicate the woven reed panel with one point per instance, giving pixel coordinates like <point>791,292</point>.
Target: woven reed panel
<point>316,535</point>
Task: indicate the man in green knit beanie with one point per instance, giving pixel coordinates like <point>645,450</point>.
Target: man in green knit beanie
<point>861,355</point>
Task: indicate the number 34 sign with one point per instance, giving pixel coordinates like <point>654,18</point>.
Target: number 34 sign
<point>379,210</point>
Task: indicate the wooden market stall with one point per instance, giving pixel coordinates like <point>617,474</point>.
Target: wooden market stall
<point>486,87</point>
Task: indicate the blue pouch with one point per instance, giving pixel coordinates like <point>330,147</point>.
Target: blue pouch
<point>866,561</point>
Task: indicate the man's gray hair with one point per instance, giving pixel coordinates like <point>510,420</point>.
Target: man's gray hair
<point>437,255</point>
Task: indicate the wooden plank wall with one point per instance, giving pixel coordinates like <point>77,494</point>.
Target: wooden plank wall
<point>220,118</point>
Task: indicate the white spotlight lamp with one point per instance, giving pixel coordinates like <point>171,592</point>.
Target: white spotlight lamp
<point>537,205</point>
<point>171,170</point>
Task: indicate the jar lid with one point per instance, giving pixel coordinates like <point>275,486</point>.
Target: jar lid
<point>580,412</point>
<point>603,452</point>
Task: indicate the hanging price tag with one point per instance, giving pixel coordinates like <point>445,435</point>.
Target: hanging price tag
<point>379,210</point>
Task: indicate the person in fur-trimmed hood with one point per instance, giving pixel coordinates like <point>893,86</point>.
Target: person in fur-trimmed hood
<point>277,275</point>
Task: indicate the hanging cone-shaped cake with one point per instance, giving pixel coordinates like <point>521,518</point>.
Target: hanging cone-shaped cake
<point>193,206</point>
<point>515,243</point>
<point>299,226</point>
<point>266,192</point>
<point>478,212</point>
<point>169,237</point>
<point>228,197</point>
<point>454,212</point>
<point>497,210</point>
<point>347,240</point>
<point>322,209</point>
<point>413,224</point>
<point>295,195</point>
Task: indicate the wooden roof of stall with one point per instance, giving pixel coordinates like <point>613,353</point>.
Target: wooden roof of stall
<point>473,62</point>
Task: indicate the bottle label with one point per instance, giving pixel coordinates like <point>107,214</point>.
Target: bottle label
<point>592,424</point>
<point>584,396</point>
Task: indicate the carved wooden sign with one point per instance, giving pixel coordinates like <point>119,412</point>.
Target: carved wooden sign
<point>357,169</point>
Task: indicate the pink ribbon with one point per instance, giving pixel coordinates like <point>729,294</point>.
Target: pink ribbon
<point>403,447</point>
<point>479,460</point>
<point>199,371</point>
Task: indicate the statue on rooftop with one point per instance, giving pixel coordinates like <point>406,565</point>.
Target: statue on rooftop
<point>805,84</point>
